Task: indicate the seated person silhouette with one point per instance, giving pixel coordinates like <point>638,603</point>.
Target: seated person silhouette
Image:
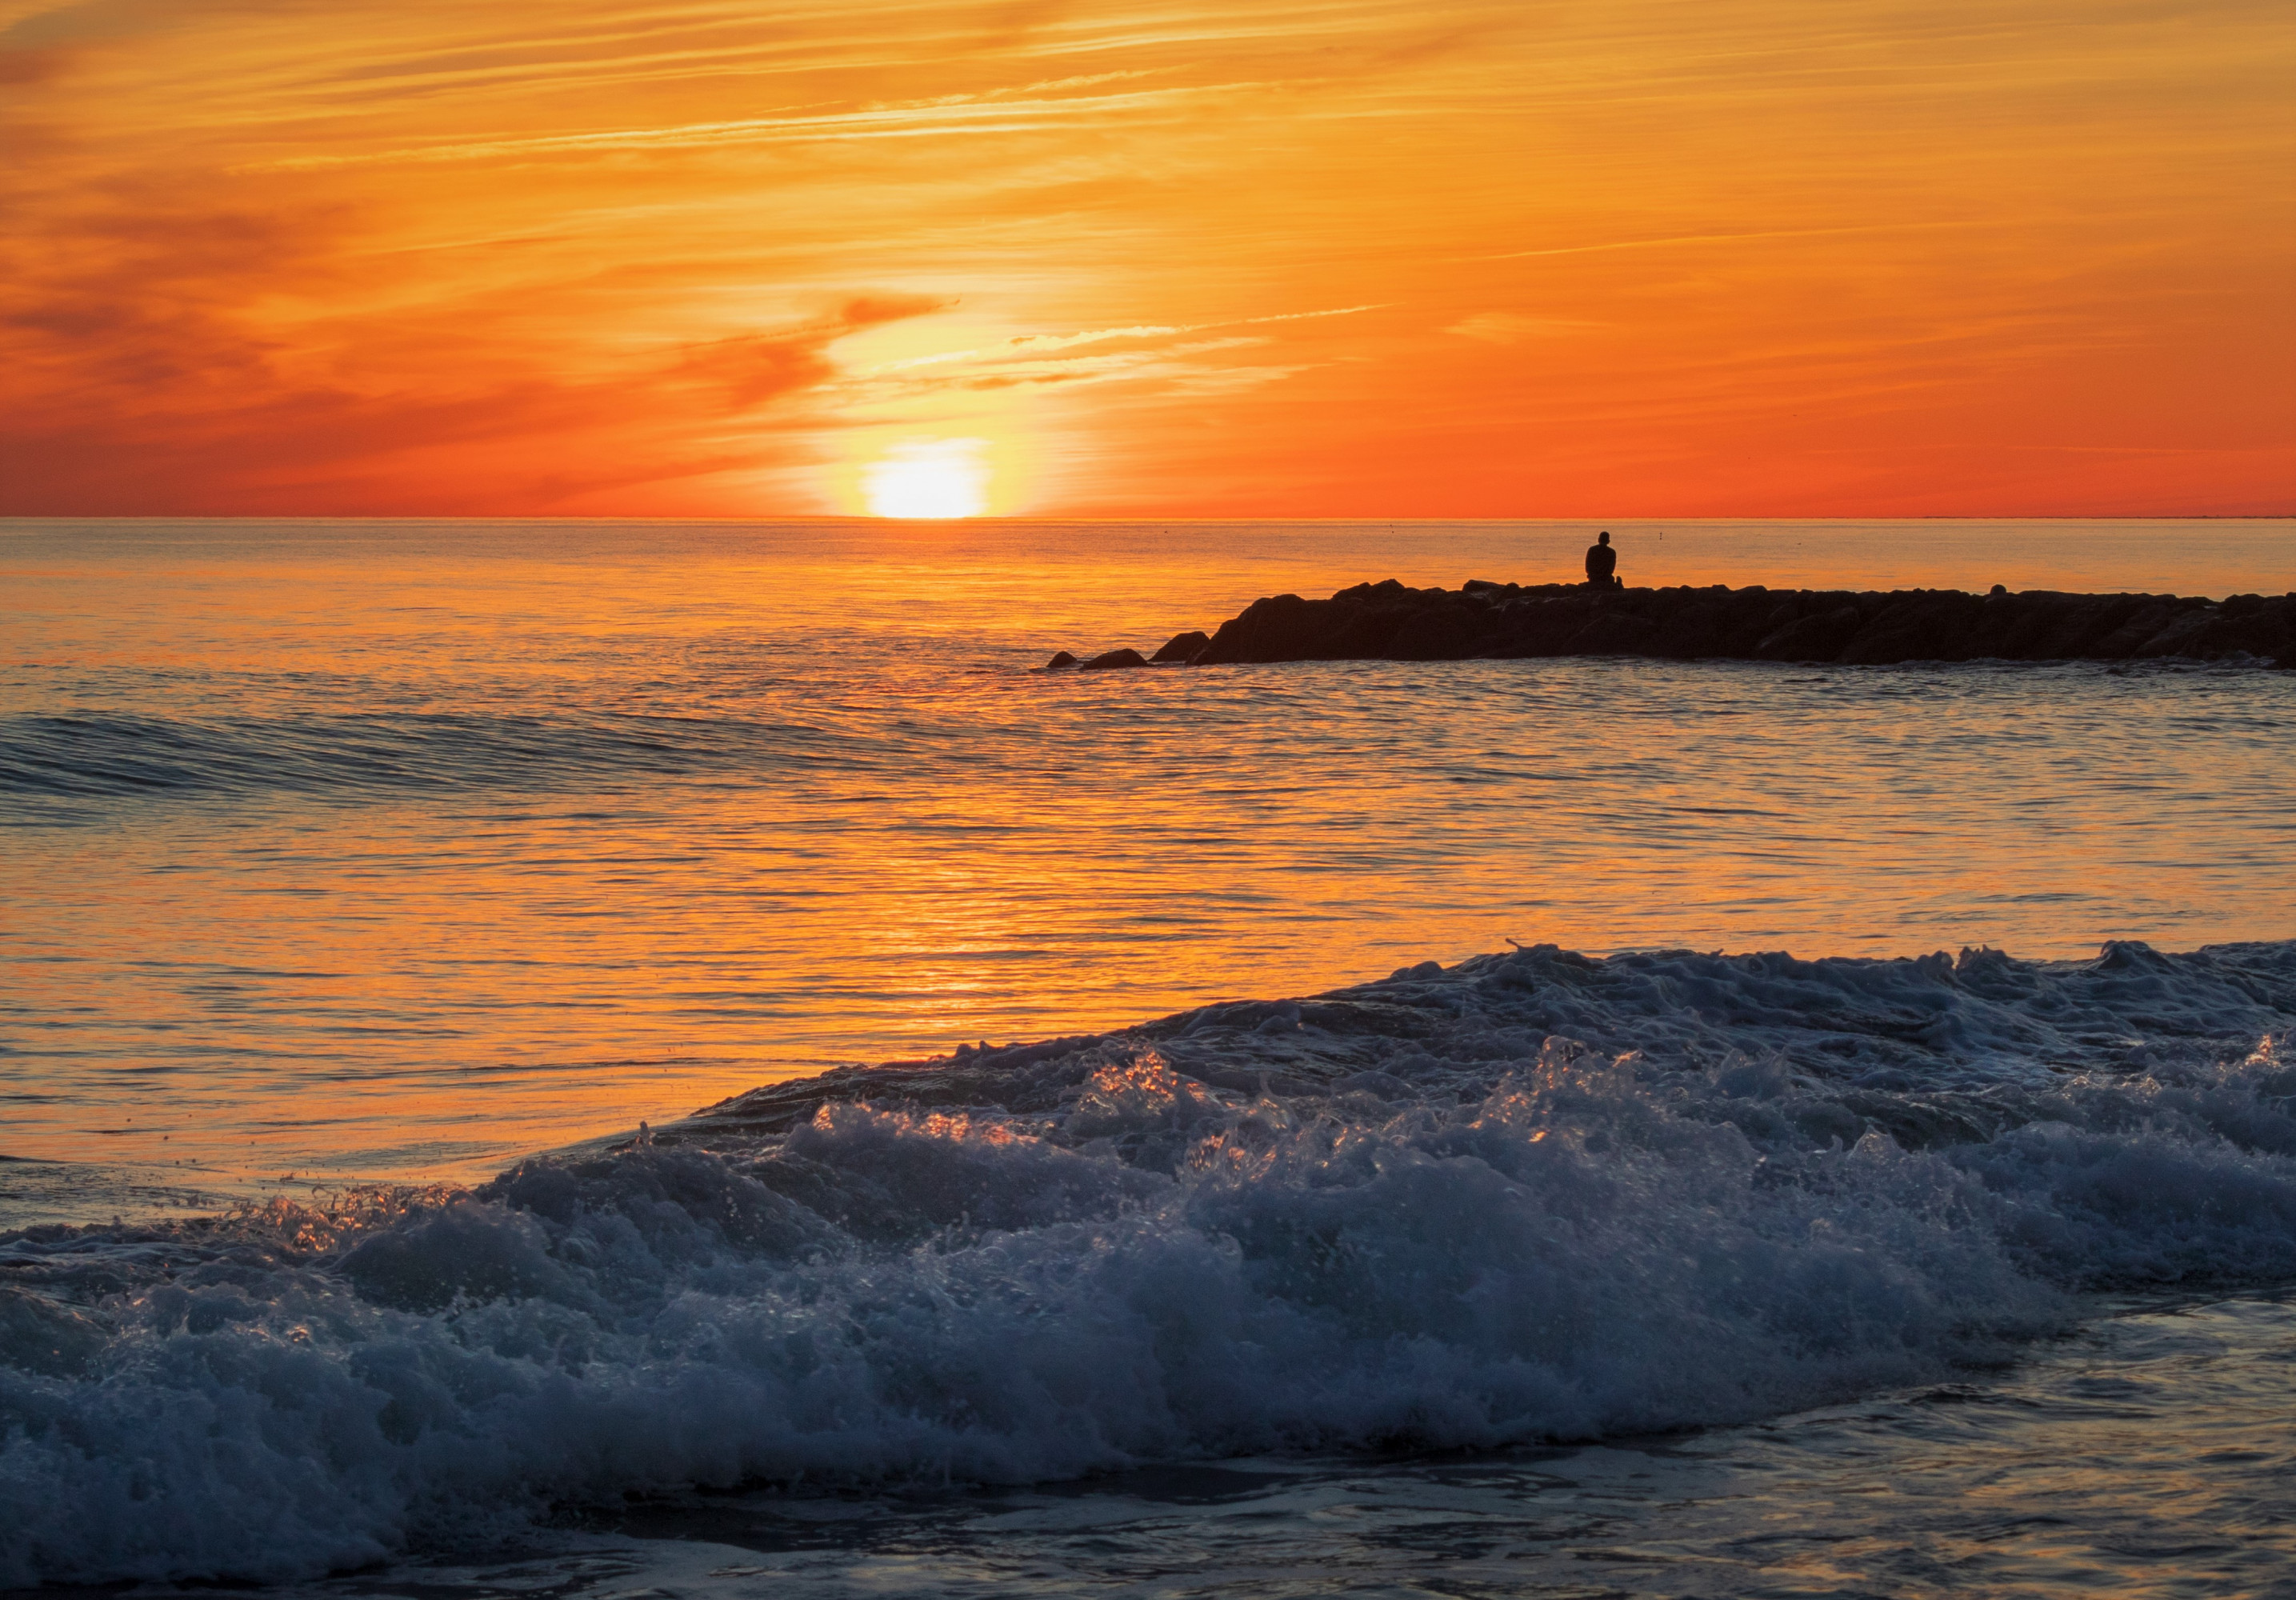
<point>1602,561</point>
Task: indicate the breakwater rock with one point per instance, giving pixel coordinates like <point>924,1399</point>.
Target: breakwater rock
<point>1389,622</point>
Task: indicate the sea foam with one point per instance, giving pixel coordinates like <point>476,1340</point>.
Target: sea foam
<point>1531,1196</point>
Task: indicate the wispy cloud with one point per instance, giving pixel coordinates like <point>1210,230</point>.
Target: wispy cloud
<point>1673,240</point>
<point>1513,327</point>
<point>608,256</point>
<point>946,117</point>
<point>1035,344</point>
<point>1041,86</point>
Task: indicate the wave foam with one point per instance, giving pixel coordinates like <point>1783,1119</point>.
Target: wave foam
<point>1532,1196</point>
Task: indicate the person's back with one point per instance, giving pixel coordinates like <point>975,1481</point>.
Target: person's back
<point>1602,561</point>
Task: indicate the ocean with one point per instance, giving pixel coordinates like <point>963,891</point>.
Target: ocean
<point>1546,1127</point>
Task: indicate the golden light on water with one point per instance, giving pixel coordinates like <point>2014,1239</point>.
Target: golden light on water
<point>937,478</point>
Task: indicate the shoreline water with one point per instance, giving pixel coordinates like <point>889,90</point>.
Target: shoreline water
<point>348,864</point>
<point>1481,1207</point>
<point>2141,1450</point>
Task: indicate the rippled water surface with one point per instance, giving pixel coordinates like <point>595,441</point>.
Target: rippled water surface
<point>348,851</point>
<point>362,851</point>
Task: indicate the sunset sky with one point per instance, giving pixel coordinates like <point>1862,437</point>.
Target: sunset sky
<point>1646,258</point>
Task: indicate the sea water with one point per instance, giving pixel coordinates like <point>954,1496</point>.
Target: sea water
<point>348,865</point>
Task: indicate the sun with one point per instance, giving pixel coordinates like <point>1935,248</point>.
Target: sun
<point>930,477</point>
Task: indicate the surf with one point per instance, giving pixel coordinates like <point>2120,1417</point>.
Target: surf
<point>1532,1196</point>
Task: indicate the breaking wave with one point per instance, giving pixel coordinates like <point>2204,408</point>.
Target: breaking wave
<point>1531,1196</point>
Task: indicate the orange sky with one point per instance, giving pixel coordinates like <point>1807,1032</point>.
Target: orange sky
<point>1650,258</point>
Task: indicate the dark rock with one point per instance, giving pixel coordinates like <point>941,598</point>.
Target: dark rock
<point>2247,625</point>
<point>1063,660</point>
<point>2080,624</point>
<point>1182,648</point>
<point>2022,632</point>
<point>1693,631</point>
<point>1813,638</point>
<point>1616,633</point>
<point>1282,628</point>
<point>2174,639</point>
<point>1752,615</point>
<point>1439,633</point>
<point>1113,660</point>
<point>2151,617</point>
<point>1387,621</point>
<point>1933,625</point>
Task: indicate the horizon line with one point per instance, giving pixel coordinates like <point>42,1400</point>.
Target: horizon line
<point>1620,518</point>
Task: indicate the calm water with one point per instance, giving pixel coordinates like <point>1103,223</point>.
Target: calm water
<point>339,854</point>
<point>395,850</point>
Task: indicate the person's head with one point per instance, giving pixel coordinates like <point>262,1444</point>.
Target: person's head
<point>1602,539</point>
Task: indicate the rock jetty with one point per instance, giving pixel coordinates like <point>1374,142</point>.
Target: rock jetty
<point>1389,622</point>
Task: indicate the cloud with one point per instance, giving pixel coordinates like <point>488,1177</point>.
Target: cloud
<point>1172,363</point>
<point>1673,240</point>
<point>1167,360</point>
<point>1513,327</point>
<point>1035,344</point>
<point>276,255</point>
<point>1041,86</point>
<point>754,368</point>
<point>948,117</point>
<point>137,377</point>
